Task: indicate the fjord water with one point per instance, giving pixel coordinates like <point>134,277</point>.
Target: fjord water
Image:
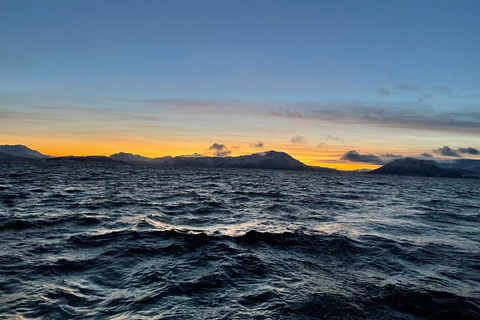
<point>99,241</point>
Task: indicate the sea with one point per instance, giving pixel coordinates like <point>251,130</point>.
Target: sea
<point>113,241</point>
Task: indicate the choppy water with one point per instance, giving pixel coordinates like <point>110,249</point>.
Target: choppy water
<point>93,241</point>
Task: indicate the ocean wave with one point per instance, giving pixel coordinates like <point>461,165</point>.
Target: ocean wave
<point>83,241</point>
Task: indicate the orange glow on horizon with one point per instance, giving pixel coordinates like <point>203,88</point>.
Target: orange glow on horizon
<point>348,166</point>
<point>311,156</point>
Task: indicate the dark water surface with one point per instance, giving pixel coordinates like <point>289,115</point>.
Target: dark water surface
<point>95,241</point>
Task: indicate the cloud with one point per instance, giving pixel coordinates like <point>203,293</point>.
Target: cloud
<point>385,92</point>
<point>468,150</point>
<point>417,88</point>
<point>426,155</point>
<point>390,155</point>
<point>298,140</point>
<point>398,117</point>
<point>321,145</point>
<point>405,116</point>
<point>409,88</point>
<point>354,156</point>
<point>446,151</point>
<point>332,138</point>
<point>220,150</point>
<point>217,146</point>
<point>194,155</point>
<point>258,144</point>
<point>424,92</point>
<point>442,89</point>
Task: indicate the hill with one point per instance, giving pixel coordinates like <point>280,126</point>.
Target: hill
<point>429,168</point>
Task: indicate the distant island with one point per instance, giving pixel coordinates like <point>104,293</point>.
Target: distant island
<point>461,168</point>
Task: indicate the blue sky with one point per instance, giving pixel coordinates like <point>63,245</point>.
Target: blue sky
<point>414,58</point>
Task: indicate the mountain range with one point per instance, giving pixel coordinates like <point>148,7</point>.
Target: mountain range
<point>262,160</point>
<point>460,168</point>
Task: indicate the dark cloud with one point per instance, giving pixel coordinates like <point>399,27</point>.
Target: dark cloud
<point>468,150</point>
<point>385,92</point>
<point>220,150</point>
<point>217,146</point>
<point>321,145</point>
<point>298,140</point>
<point>258,144</point>
<point>446,151</point>
<point>354,156</point>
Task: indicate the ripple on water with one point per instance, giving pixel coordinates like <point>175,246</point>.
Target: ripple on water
<point>89,241</point>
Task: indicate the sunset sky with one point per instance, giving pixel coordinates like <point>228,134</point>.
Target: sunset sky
<point>345,84</point>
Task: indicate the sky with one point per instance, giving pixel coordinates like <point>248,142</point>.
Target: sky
<point>342,84</point>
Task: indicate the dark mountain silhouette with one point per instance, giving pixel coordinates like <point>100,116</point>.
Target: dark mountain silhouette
<point>137,159</point>
<point>427,168</point>
<point>263,160</point>
<point>22,152</point>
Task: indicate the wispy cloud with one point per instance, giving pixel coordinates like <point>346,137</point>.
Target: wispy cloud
<point>78,113</point>
<point>408,118</point>
<point>422,89</point>
<point>409,88</point>
<point>333,138</point>
<point>258,144</point>
<point>442,89</point>
<point>423,92</point>
<point>390,155</point>
<point>385,92</point>
<point>233,107</point>
<point>298,140</point>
